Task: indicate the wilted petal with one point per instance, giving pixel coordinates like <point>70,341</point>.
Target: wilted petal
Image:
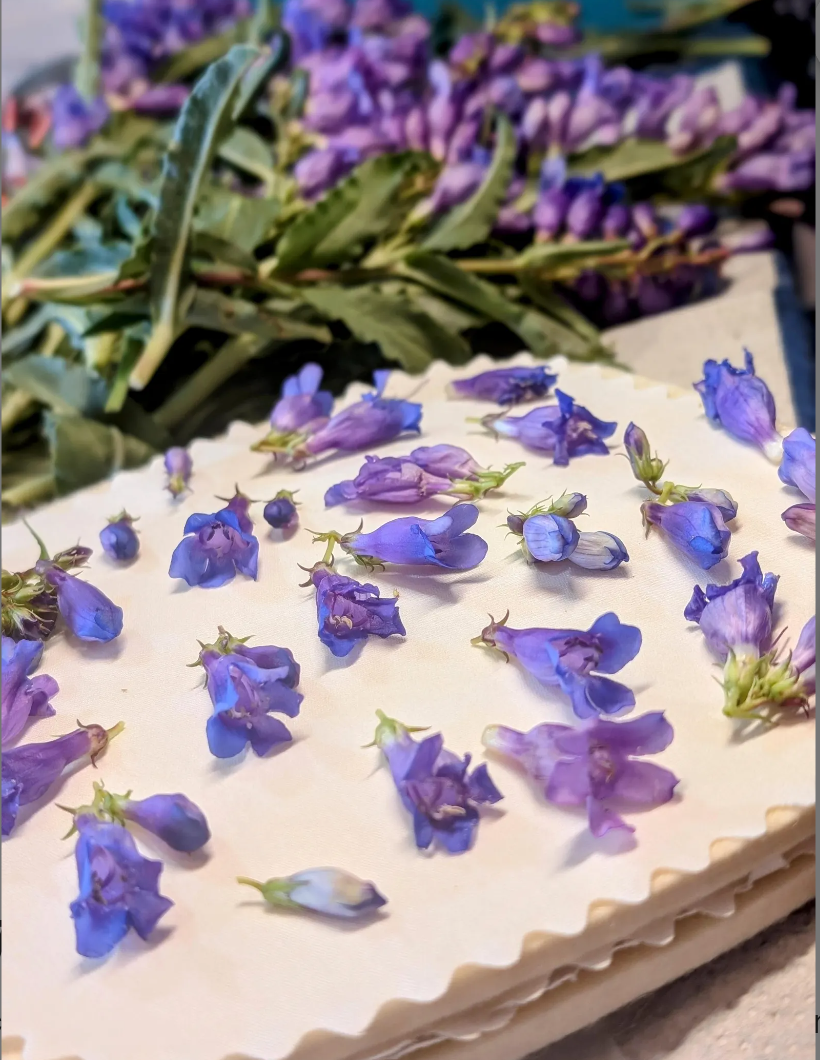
<point>802,518</point>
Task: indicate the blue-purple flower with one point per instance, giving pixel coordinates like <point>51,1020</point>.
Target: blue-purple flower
<point>396,479</point>
<point>566,430</point>
<point>119,539</point>
<point>695,528</point>
<point>302,408</point>
<point>23,696</point>
<point>435,786</point>
<point>213,550</point>
<point>280,513</point>
<point>548,538</point>
<point>739,401</point>
<point>799,469</point>
<point>802,518</point>
<point>573,659</point>
<point>548,534</point>
<point>331,892</point>
<point>645,467</point>
<point>119,888</point>
<point>74,118</point>
<point>246,685</point>
<point>736,618</point>
<point>88,613</point>
<point>349,612</point>
<point>441,542</point>
<point>507,386</point>
<point>596,765</point>
<point>598,550</point>
<point>29,770</point>
<point>178,465</point>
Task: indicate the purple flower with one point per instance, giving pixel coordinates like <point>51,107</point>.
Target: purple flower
<point>435,786</point>
<point>311,24</point>
<point>456,183</point>
<point>179,466</point>
<point>30,770</point>
<point>302,402</point>
<point>771,171</point>
<point>506,386</point>
<point>739,401</point>
<point>371,421</point>
<point>23,697</point>
<point>548,538</point>
<point>173,818</point>
<point>409,540</point>
<point>695,219</point>
<point>445,461</point>
<point>119,539</point>
<point>240,505</point>
<point>720,499</point>
<point>349,612</point>
<point>803,660</point>
<point>595,765</point>
<point>645,467</point>
<point>322,167</point>
<point>329,891</point>
<point>599,550</point>
<point>245,685</point>
<point>799,467</point>
<point>565,430</point>
<point>213,550</point>
<point>74,118</point>
<point>802,518</point>
<point>397,480</point>
<point>586,211</point>
<point>119,888</point>
<point>88,613</point>
<point>573,660</point>
<point>695,528</point>
<point>616,221</point>
<point>280,513</point>
<point>736,618</point>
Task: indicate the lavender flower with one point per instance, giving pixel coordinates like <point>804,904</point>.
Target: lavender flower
<point>119,539</point>
<point>320,168</point>
<point>280,513</point>
<point>179,466</point>
<point>240,505</point>
<point>331,892</point>
<point>569,659</point>
<point>75,119</point>
<point>409,540</point>
<point>695,528</point>
<point>172,818</point>
<point>645,467</point>
<point>245,686</point>
<point>349,612</point>
<point>88,613</point>
<point>721,499</point>
<point>739,401</point>
<point>803,660</point>
<point>302,408</point>
<point>31,769</point>
<point>695,219</point>
<point>595,765</point>
<point>506,386</point>
<point>435,786</point>
<point>802,518</point>
<point>599,550</point>
<point>548,538</point>
<point>446,461</point>
<point>23,697</point>
<point>799,467</point>
<point>397,480</point>
<point>565,430</point>
<point>213,550</point>
<point>119,888</point>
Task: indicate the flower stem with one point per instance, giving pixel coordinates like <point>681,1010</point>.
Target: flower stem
<point>251,883</point>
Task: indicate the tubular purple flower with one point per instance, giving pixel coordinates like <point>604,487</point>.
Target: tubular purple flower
<point>23,697</point>
<point>721,499</point>
<point>331,892</point>
<point>616,221</point>
<point>280,513</point>
<point>548,538</point>
<point>178,465</point>
<point>456,183</point>
<point>409,540</point>
<point>595,765</point>
<point>799,467</point>
<point>435,786</point>
<point>213,550</point>
<point>445,461</point>
<point>695,528</point>
<point>397,480</point>
<point>88,613</point>
<point>31,769</point>
<point>536,75</point>
<point>240,505</point>
<point>736,618</point>
<point>565,430</point>
<point>802,518</point>
<point>302,402</point>
<point>320,168</point>
<point>349,612</point>
<point>119,539</point>
<point>771,171</point>
<point>645,467</point>
<point>507,386</point>
<point>803,658</point>
<point>599,551</point>
<point>173,818</point>
<point>695,219</point>
<point>573,660</point>
<point>739,401</point>
<point>75,119</point>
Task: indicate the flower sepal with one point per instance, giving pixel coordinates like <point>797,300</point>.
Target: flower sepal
<point>483,482</point>
<point>276,891</point>
<point>280,443</point>
<point>390,731</point>
<point>486,638</point>
<point>757,689</point>
<point>646,467</point>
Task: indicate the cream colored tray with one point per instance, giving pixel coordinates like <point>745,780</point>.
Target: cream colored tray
<point>227,979</point>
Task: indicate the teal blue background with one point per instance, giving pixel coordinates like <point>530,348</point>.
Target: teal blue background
<point>600,14</point>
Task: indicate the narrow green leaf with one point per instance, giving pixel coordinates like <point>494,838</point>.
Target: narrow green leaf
<point>222,252</point>
<point>404,333</point>
<point>84,451</point>
<point>66,388</point>
<point>246,150</point>
<point>132,348</point>
<point>127,179</point>
<point>41,190</point>
<point>234,218</point>
<point>201,54</point>
<point>199,129</point>
<point>555,255</point>
<point>547,298</point>
<point>472,221</point>
<point>236,316</point>
<point>630,158</point>
<point>273,59</point>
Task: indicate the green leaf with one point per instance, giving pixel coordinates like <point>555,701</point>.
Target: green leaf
<point>122,314</point>
<point>84,451</point>
<point>472,221</point>
<point>547,298</point>
<point>222,252</point>
<point>66,388</point>
<point>556,255</point>
<point>131,350</point>
<point>235,316</point>
<point>205,52</point>
<point>85,261</point>
<point>246,150</point>
<point>233,218</point>
<point>404,333</point>
<point>630,158</point>
<point>201,125</point>
<point>127,179</point>
<point>41,190</point>
<point>271,61</point>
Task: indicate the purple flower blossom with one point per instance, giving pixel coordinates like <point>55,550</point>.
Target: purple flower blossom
<point>736,618</point>
<point>397,480</point>
<point>573,660</point>
<point>595,765</point>
<point>799,467</point>
<point>322,167</point>
<point>456,183</point>
<point>506,386</point>
<point>802,518</point>
<point>720,499</point>
<point>803,660</point>
<point>30,770</point>
<point>179,466</point>
<point>23,697</point>
<point>739,401</point>
<point>302,402</point>
<point>549,538</point>
<point>240,505</point>
<point>119,888</point>
<point>74,118</point>
<point>173,818</point>
<point>695,219</point>
<point>349,612</point>
<point>409,540</point>
<point>565,430</point>
<point>331,892</point>
<point>213,550</point>
<point>88,613</point>
<point>280,513</point>
<point>645,467</point>
<point>435,786</point>
<point>695,528</point>
<point>119,539</point>
<point>245,686</point>
<point>445,461</point>
<point>371,421</point>
<point>599,550</point>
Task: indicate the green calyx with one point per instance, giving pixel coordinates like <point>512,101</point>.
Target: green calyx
<point>123,517</point>
<point>287,495</point>
<point>761,689</point>
<point>486,638</point>
<point>275,891</point>
<point>332,538</point>
<point>483,482</point>
<point>280,443</point>
<point>224,644</point>
<point>389,730</point>
<point>105,806</point>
